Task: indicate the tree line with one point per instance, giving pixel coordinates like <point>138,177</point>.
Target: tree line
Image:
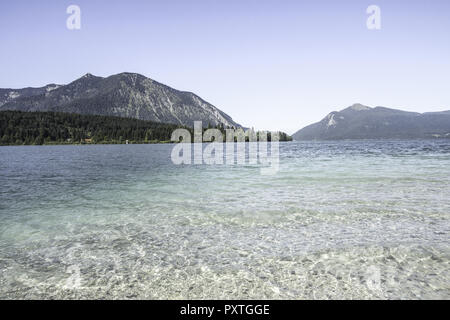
<point>37,128</point>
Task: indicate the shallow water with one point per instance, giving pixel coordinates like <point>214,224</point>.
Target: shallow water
<point>352,219</point>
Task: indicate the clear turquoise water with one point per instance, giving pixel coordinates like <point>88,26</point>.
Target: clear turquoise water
<point>353,219</point>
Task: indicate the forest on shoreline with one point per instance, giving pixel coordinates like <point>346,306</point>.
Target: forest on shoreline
<point>49,128</point>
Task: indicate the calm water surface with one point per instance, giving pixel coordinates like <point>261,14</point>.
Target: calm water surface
<point>353,219</point>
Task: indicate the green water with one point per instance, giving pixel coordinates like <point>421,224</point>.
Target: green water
<point>352,219</point>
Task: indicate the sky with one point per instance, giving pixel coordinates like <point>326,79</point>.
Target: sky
<point>269,64</point>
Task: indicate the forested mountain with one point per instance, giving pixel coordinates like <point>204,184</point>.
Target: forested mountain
<point>362,122</point>
<point>36,128</point>
<point>128,95</point>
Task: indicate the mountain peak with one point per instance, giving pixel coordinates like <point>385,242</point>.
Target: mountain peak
<point>130,74</point>
<point>89,76</point>
<point>358,107</point>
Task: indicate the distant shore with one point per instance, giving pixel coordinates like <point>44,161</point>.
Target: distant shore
<point>57,128</point>
<point>85,144</point>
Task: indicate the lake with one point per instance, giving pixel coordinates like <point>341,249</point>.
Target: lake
<point>339,220</point>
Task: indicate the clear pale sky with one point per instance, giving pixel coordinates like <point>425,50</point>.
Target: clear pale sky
<point>268,64</point>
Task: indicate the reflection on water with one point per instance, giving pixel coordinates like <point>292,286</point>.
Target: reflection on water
<point>353,219</point>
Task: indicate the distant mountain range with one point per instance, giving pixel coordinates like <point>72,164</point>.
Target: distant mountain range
<point>131,95</point>
<point>128,95</point>
<point>362,122</point>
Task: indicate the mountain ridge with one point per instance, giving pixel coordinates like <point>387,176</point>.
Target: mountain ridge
<point>126,94</point>
<point>362,122</point>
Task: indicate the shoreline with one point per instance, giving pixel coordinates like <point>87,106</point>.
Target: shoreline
<point>172,142</point>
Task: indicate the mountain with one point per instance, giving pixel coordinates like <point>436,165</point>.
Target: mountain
<point>8,95</point>
<point>362,122</point>
<point>128,95</point>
